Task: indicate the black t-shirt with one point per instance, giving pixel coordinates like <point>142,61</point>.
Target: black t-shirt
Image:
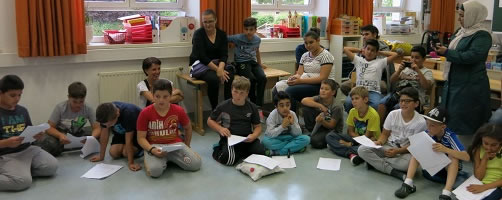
<point>13,123</point>
<point>205,51</point>
<point>127,119</point>
<point>238,119</point>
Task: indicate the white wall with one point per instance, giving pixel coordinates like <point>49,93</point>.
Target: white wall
<point>321,8</point>
<point>8,41</point>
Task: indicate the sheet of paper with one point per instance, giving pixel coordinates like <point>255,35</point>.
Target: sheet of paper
<point>31,131</point>
<point>235,139</point>
<point>462,193</point>
<point>329,164</point>
<point>101,171</point>
<point>172,147</point>
<point>421,148</point>
<point>91,146</point>
<point>285,162</point>
<point>262,160</point>
<point>365,141</point>
<point>75,142</point>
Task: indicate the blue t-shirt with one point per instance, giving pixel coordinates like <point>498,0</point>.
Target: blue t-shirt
<point>127,120</point>
<point>245,50</point>
<point>451,141</point>
<point>13,123</point>
<point>299,51</point>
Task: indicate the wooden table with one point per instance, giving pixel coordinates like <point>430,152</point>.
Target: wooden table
<point>200,87</point>
<point>494,84</point>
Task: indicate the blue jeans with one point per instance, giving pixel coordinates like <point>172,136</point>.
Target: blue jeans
<point>334,145</point>
<point>495,195</point>
<point>285,142</point>
<point>374,100</point>
<point>298,92</point>
<point>497,117</point>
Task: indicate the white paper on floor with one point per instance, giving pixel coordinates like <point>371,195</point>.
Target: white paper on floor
<point>329,164</point>
<point>101,171</point>
<point>285,162</point>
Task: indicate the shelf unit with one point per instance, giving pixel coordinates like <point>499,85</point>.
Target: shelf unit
<point>336,49</point>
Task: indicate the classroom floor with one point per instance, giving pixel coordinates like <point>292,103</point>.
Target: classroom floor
<point>216,181</point>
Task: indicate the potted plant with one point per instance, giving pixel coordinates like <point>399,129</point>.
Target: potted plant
<point>89,30</point>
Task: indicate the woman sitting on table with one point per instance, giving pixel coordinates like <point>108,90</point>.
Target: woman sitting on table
<point>316,65</point>
<point>466,92</point>
<point>210,48</point>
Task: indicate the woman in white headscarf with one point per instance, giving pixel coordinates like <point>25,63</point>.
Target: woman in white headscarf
<point>466,94</point>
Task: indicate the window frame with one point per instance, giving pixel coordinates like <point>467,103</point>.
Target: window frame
<point>379,8</point>
<point>127,5</point>
<point>277,6</point>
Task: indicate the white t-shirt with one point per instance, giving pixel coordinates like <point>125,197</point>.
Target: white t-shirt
<point>400,130</point>
<point>369,73</point>
<point>141,87</point>
<point>312,65</point>
<point>410,77</point>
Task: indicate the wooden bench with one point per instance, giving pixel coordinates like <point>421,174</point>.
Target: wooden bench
<point>200,87</point>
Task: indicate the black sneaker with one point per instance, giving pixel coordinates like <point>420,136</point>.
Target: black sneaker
<point>444,197</point>
<point>404,191</point>
<point>369,167</point>
<point>356,160</point>
<point>269,153</point>
<point>398,174</point>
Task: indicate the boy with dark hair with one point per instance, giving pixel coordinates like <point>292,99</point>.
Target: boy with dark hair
<point>151,68</point>
<point>412,74</point>
<point>369,70</point>
<point>69,117</point>
<point>283,135</point>
<point>248,60</point>
<point>323,114</point>
<point>393,157</point>
<point>119,118</point>
<point>18,161</point>
<point>446,142</point>
<point>362,120</point>
<point>370,32</point>
<point>236,116</point>
<point>158,127</point>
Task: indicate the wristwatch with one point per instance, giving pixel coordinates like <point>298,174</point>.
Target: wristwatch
<point>150,151</point>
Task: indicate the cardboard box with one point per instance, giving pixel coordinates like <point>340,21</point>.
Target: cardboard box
<point>176,29</point>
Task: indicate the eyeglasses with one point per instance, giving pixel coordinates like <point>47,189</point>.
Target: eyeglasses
<point>406,100</point>
<point>209,22</point>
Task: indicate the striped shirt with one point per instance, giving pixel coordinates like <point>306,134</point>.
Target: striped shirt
<point>451,141</point>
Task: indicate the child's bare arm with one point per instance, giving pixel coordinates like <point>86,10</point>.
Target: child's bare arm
<point>218,128</point>
<point>461,155</point>
<point>383,137</point>
<point>349,51</point>
<point>256,133</point>
<point>480,165</point>
<point>188,133</point>
<point>352,131</point>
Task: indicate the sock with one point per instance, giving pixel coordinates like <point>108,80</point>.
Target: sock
<point>409,181</point>
<point>446,192</point>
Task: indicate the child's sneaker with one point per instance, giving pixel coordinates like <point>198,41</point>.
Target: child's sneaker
<point>444,197</point>
<point>404,191</point>
<point>355,159</point>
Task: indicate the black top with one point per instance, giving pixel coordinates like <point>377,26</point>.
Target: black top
<point>238,119</point>
<point>13,123</point>
<point>205,51</point>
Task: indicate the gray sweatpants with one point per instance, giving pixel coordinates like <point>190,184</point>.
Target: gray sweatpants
<point>377,159</point>
<point>186,158</point>
<point>17,169</point>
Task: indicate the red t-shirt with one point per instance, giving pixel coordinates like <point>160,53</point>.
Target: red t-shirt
<point>162,130</point>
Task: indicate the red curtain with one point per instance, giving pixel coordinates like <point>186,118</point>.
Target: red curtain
<point>50,27</point>
<point>230,13</point>
<point>442,16</point>
<point>358,8</point>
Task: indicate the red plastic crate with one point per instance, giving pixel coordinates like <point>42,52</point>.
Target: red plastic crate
<point>289,32</point>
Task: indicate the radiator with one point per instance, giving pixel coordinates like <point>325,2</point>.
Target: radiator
<point>286,65</point>
<point>121,85</point>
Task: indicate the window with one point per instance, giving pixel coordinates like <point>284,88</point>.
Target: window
<point>282,5</point>
<point>391,9</point>
<point>270,12</point>
<point>103,14</point>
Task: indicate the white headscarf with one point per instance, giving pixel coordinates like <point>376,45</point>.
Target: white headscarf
<point>474,14</point>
